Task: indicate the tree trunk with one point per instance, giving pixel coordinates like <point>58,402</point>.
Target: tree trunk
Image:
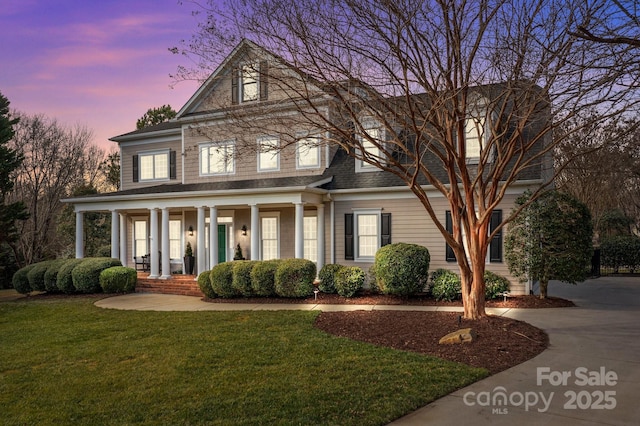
<point>472,282</point>
<point>543,288</point>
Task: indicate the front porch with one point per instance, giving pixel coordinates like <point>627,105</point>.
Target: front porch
<point>185,285</point>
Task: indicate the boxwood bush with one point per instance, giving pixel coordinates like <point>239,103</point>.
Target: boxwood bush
<point>20,280</point>
<point>494,285</point>
<point>204,282</point>
<point>86,276</point>
<point>221,278</point>
<point>326,276</point>
<point>294,278</point>
<point>401,269</point>
<point>263,278</point>
<point>51,276</point>
<point>118,279</point>
<point>349,280</point>
<point>445,285</point>
<point>65,280</point>
<point>241,281</point>
<point>36,275</point>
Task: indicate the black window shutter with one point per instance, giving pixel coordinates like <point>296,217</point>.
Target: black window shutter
<point>450,256</point>
<point>172,164</point>
<point>235,76</point>
<point>385,228</point>
<point>136,176</point>
<point>264,80</point>
<point>495,248</point>
<point>348,236</point>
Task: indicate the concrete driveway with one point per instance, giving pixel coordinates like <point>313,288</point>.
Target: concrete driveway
<point>590,375</point>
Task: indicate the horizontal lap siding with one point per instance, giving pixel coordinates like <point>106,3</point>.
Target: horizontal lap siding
<point>127,163</point>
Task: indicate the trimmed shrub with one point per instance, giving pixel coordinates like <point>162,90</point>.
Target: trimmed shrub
<point>241,281</point>
<point>36,275</point>
<point>118,279</point>
<point>51,276</point>
<point>402,269</point>
<point>86,276</point>
<point>494,285</point>
<point>102,251</point>
<point>204,282</point>
<point>221,278</point>
<point>294,278</point>
<point>327,277</point>
<point>20,280</point>
<point>621,251</point>
<point>446,285</point>
<point>263,278</point>
<point>65,280</point>
<point>349,280</point>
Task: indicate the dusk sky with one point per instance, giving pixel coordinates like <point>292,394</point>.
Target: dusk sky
<point>101,64</point>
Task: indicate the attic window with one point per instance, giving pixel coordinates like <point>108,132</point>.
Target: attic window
<point>249,82</point>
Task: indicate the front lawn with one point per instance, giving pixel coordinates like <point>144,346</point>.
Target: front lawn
<point>66,361</point>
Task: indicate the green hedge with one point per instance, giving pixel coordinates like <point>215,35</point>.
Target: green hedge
<point>621,251</point>
<point>221,277</point>
<point>36,275</point>
<point>241,281</point>
<point>263,278</point>
<point>51,276</point>
<point>294,278</point>
<point>64,280</point>
<point>445,285</point>
<point>118,279</point>
<point>401,269</point>
<point>494,285</point>
<point>349,280</point>
<point>204,282</point>
<point>326,276</point>
<point>86,276</point>
<point>20,280</point>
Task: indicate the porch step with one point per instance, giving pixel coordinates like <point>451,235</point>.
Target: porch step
<point>184,285</point>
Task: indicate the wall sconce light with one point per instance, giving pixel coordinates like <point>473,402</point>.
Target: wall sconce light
<point>244,230</point>
<point>191,231</point>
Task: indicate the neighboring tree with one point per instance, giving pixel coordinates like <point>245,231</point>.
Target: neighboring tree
<point>155,116</point>
<point>364,58</point>
<point>550,240</point>
<point>57,160</point>
<point>617,24</point>
<point>10,212</point>
<point>110,169</point>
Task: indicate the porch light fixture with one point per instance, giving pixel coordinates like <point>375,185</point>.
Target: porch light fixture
<point>244,230</point>
<point>191,231</point>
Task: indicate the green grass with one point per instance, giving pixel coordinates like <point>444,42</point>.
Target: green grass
<point>66,361</point>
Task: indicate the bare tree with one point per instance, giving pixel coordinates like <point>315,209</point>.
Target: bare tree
<point>435,76</point>
<point>616,23</point>
<point>57,160</point>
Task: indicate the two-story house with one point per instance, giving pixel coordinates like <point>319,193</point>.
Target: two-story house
<point>222,174</point>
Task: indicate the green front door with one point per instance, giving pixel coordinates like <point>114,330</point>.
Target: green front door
<point>222,243</point>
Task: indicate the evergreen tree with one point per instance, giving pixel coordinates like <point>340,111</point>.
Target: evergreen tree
<point>155,116</point>
<point>10,160</point>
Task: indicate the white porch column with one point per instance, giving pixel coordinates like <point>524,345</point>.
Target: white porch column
<point>332,232</point>
<point>115,234</point>
<point>255,233</point>
<point>79,235</point>
<point>299,231</point>
<point>166,263</point>
<point>321,244</point>
<point>200,251</point>
<point>213,236</point>
<point>123,239</point>
<point>153,258</point>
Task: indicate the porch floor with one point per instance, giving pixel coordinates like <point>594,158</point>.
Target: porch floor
<point>185,285</point>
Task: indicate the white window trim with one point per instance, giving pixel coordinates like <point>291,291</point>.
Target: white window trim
<point>361,165</point>
<point>227,143</point>
<point>135,219</point>
<point>181,239</point>
<point>277,216</point>
<point>356,235</point>
<point>315,146</point>
<point>260,142</point>
<point>166,152</point>
<point>314,214</point>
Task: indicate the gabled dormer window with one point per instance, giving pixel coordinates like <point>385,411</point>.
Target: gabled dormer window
<point>249,82</point>
<point>370,141</point>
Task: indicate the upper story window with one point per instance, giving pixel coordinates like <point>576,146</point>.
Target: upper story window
<point>268,154</point>
<point>474,136</point>
<point>154,165</point>
<point>249,82</point>
<point>308,152</point>
<point>217,158</point>
<point>370,142</point>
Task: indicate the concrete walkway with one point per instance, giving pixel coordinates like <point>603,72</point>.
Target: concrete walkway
<point>590,375</point>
